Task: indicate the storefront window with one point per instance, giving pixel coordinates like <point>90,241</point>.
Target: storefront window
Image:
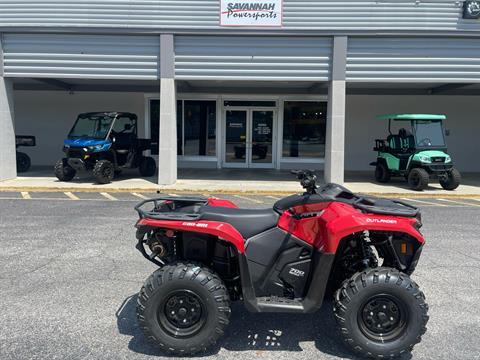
<point>196,126</point>
<point>199,128</point>
<point>304,126</point>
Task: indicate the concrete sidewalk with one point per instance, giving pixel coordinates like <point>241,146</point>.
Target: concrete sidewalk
<point>226,181</point>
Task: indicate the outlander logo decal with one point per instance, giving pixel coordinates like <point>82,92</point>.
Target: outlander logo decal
<point>251,13</point>
<point>381,221</point>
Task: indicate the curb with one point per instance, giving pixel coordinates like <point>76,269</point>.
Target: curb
<point>226,192</point>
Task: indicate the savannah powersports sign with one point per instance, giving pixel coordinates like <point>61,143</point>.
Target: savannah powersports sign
<point>251,13</point>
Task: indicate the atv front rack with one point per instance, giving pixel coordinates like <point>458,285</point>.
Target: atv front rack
<point>171,208</point>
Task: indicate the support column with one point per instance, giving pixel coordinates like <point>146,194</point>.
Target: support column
<point>167,152</point>
<point>8,159</point>
<point>335,137</point>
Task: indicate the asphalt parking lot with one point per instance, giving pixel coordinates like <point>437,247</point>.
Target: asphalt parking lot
<point>69,274</point>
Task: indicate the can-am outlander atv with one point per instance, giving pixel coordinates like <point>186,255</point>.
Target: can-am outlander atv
<point>282,259</point>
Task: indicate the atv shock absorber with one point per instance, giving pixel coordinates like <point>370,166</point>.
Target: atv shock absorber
<point>368,257</point>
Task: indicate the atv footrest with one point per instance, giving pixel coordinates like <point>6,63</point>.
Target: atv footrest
<point>276,304</point>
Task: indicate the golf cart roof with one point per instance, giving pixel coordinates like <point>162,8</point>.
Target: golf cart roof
<point>403,117</point>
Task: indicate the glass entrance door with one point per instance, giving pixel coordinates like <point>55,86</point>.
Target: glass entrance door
<point>249,138</point>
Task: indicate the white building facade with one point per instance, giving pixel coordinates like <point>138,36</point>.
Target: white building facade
<point>248,84</point>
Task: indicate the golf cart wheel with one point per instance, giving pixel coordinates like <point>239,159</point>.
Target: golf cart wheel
<point>183,308</point>
<point>381,173</point>
<point>63,171</point>
<point>381,313</point>
<point>23,162</point>
<point>103,171</point>
<point>452,180</point>
<point>418,179</point>
<point>147,167</point>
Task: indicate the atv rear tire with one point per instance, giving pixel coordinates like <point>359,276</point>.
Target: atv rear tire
<point>23,162</point>
<point>382,173</point>
<point>63,171</point>
<point>103,171</point>
<point>452,181</point>
<point>178,329</point>
<point>147,167</point>
<point>381,313</point>
<point>418,179</point>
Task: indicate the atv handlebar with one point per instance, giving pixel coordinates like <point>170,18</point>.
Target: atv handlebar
<point>308,180</point>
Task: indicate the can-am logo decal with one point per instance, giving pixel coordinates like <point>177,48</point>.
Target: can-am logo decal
<point>381,221</point>
<point>471,9</point>
<point>251,13</point>
<point>192,224</point>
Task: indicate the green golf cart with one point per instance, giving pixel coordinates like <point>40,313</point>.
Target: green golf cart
<point>417,154</point>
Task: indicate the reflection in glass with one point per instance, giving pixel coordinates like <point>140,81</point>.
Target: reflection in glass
<point>262,129</point>
<point>304,127</point>
<point>235,136</point>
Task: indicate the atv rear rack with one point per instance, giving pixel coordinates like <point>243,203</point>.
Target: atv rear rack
<point>172,208</point>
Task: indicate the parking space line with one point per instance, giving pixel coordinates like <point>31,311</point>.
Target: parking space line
<point>141,196</point>
<point>249,199</point>
<point>108,196</point>
<point>273,197</point>
<point>174,195</point>
<point>71,195</point>
<point>423,202</point>
<point>25,195</point>
<point>459,202</point>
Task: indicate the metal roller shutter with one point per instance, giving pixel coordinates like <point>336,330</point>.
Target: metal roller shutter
<point>252,58</point>
<point>81,56</point>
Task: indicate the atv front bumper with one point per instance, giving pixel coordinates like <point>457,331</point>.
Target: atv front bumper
<point>77,164</point>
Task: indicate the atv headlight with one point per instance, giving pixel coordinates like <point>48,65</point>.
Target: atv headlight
<point>448,159</point>
<point>95,147</point>
<point>425,159</point>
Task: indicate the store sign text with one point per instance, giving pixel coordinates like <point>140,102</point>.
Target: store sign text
<point>251,13</point>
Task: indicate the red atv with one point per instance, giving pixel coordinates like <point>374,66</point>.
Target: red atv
<point>282,259</point>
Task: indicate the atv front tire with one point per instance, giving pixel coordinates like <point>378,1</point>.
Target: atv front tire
<point>382,174</point>
<point>147,167</point>
<point>103,171</point>
<point>418,179</point>
<point>381,313</point>
<point>23,162</point>
<point>452,181</point>
<point>183,308</point>
<point>63,171</point>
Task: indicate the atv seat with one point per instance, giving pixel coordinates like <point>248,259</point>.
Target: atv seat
<point>248,222</point>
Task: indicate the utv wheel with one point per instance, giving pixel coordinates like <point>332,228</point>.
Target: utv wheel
<point>147,167</point>
<point>381,173</point>
<point>381,313</point>
<point>63,171</point>
<point>452,180</point>
<point>183,308</point>
<point>103,171</point>
<point>418,179</point>
<point>23,162</point>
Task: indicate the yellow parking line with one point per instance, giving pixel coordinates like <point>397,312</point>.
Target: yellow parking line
<point>25,195</point>
<point>459,202</point>
<point>249,199</point>
<point>71,195</point>
<point>424,202</point>
<point>139,195</point>
<point>108,196</point>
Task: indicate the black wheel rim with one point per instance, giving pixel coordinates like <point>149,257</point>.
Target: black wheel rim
<point>383,318</point>
<point>182,314</point>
